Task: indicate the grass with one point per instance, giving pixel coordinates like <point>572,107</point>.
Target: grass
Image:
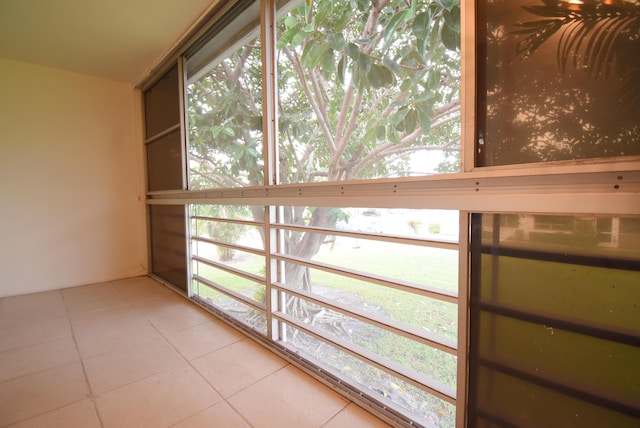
<point>423,266</point>
<point>597,295</point>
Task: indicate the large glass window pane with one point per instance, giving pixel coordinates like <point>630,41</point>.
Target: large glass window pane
<point>559,80</point>
<point>368,89</point>
<point>224,104</point>
<point>555,337</point>
<point>382,284</point>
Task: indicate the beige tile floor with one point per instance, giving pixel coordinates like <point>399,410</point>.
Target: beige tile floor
<point>132,353</point>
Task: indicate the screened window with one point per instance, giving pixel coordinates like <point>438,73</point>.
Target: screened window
<point>554,326</point>
<point>163,140</point>
<point>561,80</point>
<point>321,223</point>
<point>167,227</point>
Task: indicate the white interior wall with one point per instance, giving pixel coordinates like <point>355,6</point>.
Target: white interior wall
<point>71,180</point>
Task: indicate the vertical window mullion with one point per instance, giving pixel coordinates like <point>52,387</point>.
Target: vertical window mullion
<point>463,317</point>
<point>270,133</point>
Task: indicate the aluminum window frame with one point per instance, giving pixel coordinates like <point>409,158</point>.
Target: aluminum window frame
<point>594,186</point>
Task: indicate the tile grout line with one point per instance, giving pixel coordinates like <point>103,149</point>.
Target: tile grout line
<point>223,398</point>
<point>188,362</point>
<point>84,370</point>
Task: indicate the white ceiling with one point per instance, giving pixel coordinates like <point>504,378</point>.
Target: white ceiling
<point>114,39</point>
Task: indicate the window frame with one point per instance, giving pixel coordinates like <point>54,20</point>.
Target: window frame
<point>595,186</point>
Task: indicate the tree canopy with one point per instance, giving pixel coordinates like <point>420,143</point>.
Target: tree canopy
<point>363,86</point>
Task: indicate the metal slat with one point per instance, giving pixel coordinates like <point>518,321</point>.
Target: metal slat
<point>410,332</point>
<point>228,220</point>
<point>229,269</point>
<point>229,293</point>
<point>227,245</point>
<point>447,245</point>
<point>412,377</point>
<point>410,287</point>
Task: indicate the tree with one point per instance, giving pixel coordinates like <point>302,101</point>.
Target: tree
<point>364,86</point>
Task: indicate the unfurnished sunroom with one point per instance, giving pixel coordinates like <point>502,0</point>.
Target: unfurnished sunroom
<point>431,206</point>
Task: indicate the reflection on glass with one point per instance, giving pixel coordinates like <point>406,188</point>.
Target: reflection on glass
<point>368,90</point>
<point>562,80</point>
<point>554,318</point>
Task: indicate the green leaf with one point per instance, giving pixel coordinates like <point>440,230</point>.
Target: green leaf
<point>450,38</point>
<point>410,121</point>
<point>375,78</point>
<point>420,27</point>
<point>392,135</point>
<point>328,62</point>
<point>412,10</point>
<point>447,4</point>
<point>360,77</point>
<point>380,76</point>
<point>388,77</point>
<point>352,50</point>
<point>313,54</point>
<point>398,118</point>
<point>290,22</point>
<point>425,121</point>
<point>421,45</point>
<point>364,62</point>
<point>336,41</point>
<point>371,135</point>
<point>395,20</point>
<point>298,38</point>
<point>391,65</point>
<point>341,70</point>
<point>287,36</point>
<point>452,18</point>
<point>433,81</point>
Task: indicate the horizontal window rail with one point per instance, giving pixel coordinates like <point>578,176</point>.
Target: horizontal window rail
<point>578,391</point>
<point>562,256</point>
<point>326,374</point>
<point>229,269</point>
<point>412,377</point>
<point>228,220</point>
<point>164,133</point>
<point>411,287</point>
<point>230,293</point>
<point>227,245</point>
<point>424,337</point>
<point>447,245</point>
<point>613,334</point>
